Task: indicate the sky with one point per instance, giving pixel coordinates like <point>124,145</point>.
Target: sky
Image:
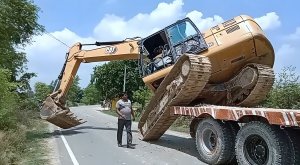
<point>87,21</point>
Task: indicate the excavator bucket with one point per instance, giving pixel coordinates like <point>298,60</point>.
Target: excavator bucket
<point>58,115</point>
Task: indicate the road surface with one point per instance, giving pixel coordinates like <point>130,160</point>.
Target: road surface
<point>94,143</point>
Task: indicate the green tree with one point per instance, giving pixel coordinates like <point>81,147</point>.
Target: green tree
<point>41,91</point>
<point>286,90</point>
<point>142,96</point>
<point>8,100</point>
<point>52,84</point>
<point>108,78</point>
<point>74,94</point>
<point>18,23</point>
<point>91,95</point>
<point>24,84</point>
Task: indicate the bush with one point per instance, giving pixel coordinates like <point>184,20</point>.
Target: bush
<point>142,97</point>
<point>286,91</point>
<point>8,101</point>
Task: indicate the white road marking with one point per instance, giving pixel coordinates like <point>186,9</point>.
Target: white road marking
<point>71,154</point>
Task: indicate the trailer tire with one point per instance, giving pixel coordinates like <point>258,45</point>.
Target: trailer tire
<point>235,129</point>
<point>294,144</point>
<point>255,140</point>
<point>193,127</point>
<point>214,141</point>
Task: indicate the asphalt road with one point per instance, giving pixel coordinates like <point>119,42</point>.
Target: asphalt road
<point>94,142</point>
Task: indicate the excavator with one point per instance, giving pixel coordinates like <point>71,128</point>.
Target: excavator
<point>230,64</point>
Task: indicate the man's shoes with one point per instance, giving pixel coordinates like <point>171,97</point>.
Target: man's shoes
<point>130,146</point>
<point>119,145</point>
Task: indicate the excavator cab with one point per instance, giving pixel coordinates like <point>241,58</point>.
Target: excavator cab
<point>163,48</point>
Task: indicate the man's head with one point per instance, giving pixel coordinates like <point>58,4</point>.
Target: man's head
<point>124,96</point>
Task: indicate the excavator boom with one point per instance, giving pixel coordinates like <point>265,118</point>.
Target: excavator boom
<point>53,108</point>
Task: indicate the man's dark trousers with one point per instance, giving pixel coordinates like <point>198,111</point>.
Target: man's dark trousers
<point>127,124</point>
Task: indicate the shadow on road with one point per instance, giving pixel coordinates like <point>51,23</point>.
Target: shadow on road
<point>74,131</point>
<point>70,132</point>
<point>98,128</point>
<point>185,145</point>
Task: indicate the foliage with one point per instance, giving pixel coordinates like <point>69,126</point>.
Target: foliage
<point>15,108</point>
<point>53,84</point>
<point>18,23</point>
<point>142,96</point>
<point>286,90</point>
<point>75,93</point>
<point>108,78</point>
<point>7,101</point>
<point>24,83</point>
<point>18,18</point>
<point>90,95</point>
<point>41,91</point>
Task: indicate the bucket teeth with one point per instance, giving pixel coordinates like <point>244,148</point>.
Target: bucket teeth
<point>62,118</point>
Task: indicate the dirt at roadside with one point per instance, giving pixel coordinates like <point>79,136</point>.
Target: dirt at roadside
<point>53,155</point>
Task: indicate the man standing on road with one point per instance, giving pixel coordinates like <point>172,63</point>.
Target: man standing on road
<point>124,110</point>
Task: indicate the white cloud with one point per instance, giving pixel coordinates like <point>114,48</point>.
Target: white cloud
<point>46,55</point>
<point>269,21</point>
<point>294,36</point>
<point>114,27</point>
<point>204,23</point>
<point>288,52</point>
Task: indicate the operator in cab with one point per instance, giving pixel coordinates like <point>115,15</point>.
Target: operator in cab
<point>124,110</point>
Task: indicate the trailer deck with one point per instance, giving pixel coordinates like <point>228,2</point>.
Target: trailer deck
<point>282,117</point>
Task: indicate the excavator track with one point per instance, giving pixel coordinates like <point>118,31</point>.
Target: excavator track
<point>248,88</point>
<point>180,87</point>
<point>262,87</point>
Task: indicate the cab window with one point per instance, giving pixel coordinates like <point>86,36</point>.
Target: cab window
<point>180,32</point>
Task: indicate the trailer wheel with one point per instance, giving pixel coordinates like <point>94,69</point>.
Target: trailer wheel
<point>260,143</point>
<point>235,129</point>
<point>295,145</point>
<point>214,141</point>
<point>193,127</point>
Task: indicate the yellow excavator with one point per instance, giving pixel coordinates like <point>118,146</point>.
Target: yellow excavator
<point>229,64</point>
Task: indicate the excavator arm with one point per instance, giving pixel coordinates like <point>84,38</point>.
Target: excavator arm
<point>54,108</point>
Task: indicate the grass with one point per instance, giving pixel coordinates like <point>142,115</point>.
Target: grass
<point>37,147</point>
<point>25,145</point>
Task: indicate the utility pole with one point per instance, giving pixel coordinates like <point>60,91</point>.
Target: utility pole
<point>124,82</point>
